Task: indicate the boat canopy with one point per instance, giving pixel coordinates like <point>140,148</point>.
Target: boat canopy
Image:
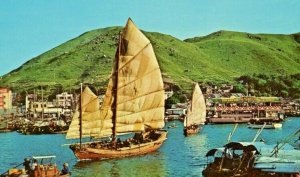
<point>212,152</point>
<point>245,146</point>
<point>44,157</point>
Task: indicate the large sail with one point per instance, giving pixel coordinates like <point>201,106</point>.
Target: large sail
<point>90,117</point>
<point>139,87</point>
<point>197,111</point>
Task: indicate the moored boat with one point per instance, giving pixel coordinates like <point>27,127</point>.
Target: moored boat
<point>51,126</point>
<point>134,102</point>
<point>235,159</point>
<point>196,113</point>
<point>265,123</point>
<point>244,159</point>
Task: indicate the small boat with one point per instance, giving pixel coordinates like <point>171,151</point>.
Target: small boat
<point>44,166</point>
<point>266,123</point>
<point>196,113</point>
<point>133,103</point>
<point>244,159</point>
<point>51,126</point>
<point>234,159</point>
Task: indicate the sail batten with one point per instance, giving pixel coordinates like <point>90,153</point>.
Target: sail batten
<point>140,88</point>
<point>134,99</point>
<point>156,69</point>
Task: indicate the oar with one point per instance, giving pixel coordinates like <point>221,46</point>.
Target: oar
<point>259,132</point>
<point>286,140</point>
<point>231,133</point>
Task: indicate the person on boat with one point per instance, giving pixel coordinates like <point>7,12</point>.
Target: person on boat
<point>26,165</point>
<point>34,165</point>
<point>65,169</point>
<point>119,143</point>
<point>138,137</point>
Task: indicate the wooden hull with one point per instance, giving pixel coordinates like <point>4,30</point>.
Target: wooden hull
<point>271,126</point>
<point>5,130</point>
<point>228,120</point>
<point>231,120</point>
<point>191,131</point>
<point>47,171</point>
<point>134,150</point>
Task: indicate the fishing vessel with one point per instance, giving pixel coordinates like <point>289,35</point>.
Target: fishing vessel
<point>236,159</point>
<point>44,166</point>
<point>46,126</point>
<point>196,113</point>
<point>133,103</point>
<point>252,159</point>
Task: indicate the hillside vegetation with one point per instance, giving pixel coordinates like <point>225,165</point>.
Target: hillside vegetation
<point>220,57</point>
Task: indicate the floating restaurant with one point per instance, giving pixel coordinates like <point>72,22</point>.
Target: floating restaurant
<point>242,109</point>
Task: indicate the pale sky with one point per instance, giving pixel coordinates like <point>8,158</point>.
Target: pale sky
<point>29,28</point>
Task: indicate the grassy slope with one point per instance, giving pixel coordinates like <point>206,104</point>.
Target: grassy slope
<point>218,57</point>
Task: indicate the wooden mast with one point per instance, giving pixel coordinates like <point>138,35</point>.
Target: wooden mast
<point>80,116</point>
<point>115,93</point>
<point>42,104</point>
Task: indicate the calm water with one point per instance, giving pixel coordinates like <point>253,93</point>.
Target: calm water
<point>179,156</point>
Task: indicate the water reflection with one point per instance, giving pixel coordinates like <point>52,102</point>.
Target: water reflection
<point>149,165</point>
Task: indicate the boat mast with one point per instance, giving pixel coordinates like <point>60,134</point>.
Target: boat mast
<point>42,104</point>
<point>80,116</point>
<point>115,92</point>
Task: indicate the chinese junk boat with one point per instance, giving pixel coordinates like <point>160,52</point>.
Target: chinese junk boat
<point>196,113</point>
<point>133,103</point>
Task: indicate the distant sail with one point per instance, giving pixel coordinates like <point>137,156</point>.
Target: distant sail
<point>140,91</point>
<point>197,111</point>
<point>90,117</point>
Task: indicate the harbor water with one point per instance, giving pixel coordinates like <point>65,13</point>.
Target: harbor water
<point>178,156</point>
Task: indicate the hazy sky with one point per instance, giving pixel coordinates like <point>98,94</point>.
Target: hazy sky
<point>30,27</point>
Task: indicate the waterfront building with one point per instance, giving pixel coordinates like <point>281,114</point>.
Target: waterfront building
<point>39,109</point>
<point>64,100</point>
<point>5,99</point>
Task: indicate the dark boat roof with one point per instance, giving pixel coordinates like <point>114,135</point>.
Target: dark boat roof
<point>213,151</point>
<point>245,146</point>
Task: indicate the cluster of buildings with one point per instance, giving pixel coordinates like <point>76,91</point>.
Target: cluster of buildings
<point>220,102</point>
<point>34,107</point>
<point>62,106</point>
<point>6,97</point>
<point>223,106</point>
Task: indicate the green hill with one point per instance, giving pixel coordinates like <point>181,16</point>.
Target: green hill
<point>219,57</point>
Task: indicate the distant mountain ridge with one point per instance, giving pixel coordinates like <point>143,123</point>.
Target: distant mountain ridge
<point>216,58</point>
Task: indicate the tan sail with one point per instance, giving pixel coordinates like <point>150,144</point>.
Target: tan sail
<point>133,102</point>
<point>197,111</point>
<point>90,117</point>
<point>140,92</point>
